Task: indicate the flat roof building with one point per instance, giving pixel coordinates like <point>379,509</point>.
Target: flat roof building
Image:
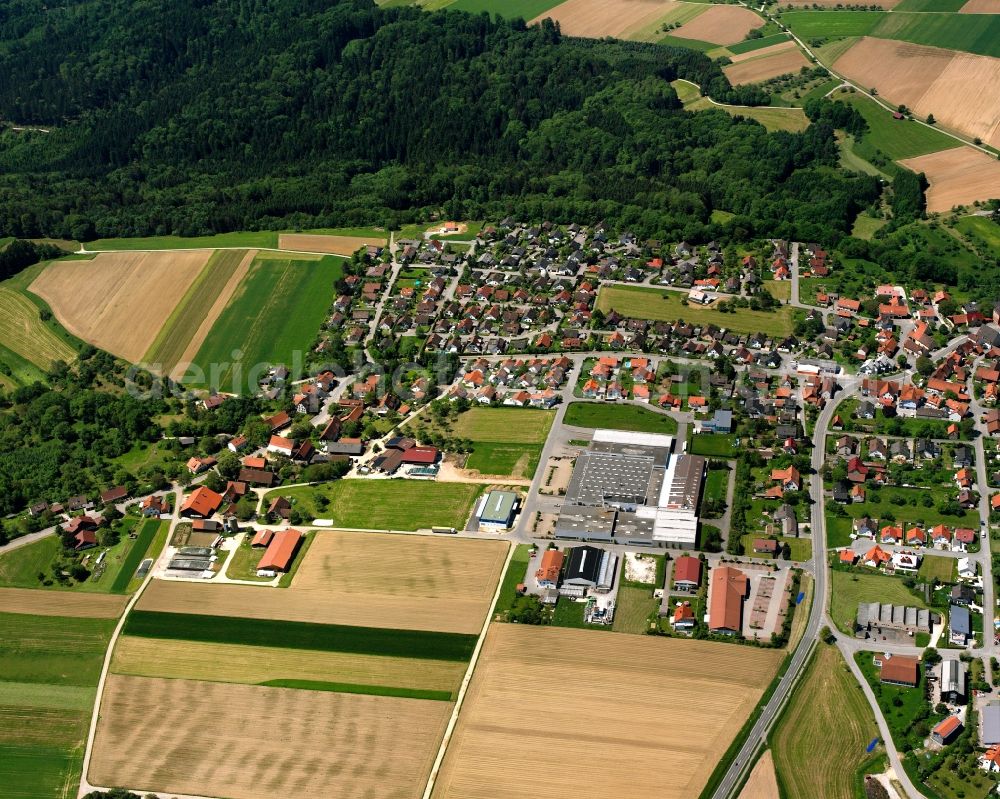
<point>990,735</point>
<point>497,510</point>
<point>590,567</point>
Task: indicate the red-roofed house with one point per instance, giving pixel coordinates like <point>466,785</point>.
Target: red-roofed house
<point>280,552</point>
<point>725,604</point>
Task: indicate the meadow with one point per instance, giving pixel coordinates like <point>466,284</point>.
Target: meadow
<point>665,305</point>
<point>511,9</point>
<point>618,417</point>
<point>420,644</point>
<point>385,504</point>
<point>790,119</point>
<point>136,552</point>
<point>23,333</point>
<point>259,320</point>
<point>713,445</point>
<point>897,138</point>
<point>749,45</point>
<point>827,705</point>
<point>265,239</point>
<point>938,568</point>
<point>979,229</point>
<point>850,588</point>
<point>906,504</point>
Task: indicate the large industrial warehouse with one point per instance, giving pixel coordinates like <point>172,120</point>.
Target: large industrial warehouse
<point>631,488</point>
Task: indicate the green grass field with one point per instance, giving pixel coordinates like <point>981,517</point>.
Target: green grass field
<point>716,484</point>
<point>980,229</point>
<point>250,240</point>
<point>828,706</point>
<point>418,644</point>
<point>838,531</point>
<point>136,552</point>
<point>772,118</point>
<point>511,9</point>
<point>184,320</point>
<point>850,588</point>
<point>505,460</point>
<point>938,568</point>
<point>750,45</point>
<point>243,564</point>
<point>27,337</point>
<point>897,138</point>
<point>971,33</point>
<point>504,425</point>
<point>53,649</point>
<point>656,305</point>
<point>515,574</point>
<point>908,507</point>
<point>370,690</point>
<point>386,504</point>
<point>273,317</point>
<point>930,5</point>
<point>633,608</point>
<point>618,417</point>
<point>865,227</point>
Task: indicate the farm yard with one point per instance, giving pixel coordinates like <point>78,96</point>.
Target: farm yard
<point>664,305</point>
<point>790,119</point>
<point>788,58</point>
<point>257,322</point>
<point>50,667</point>
<point>95,300</point>
<point>929,80</point>
<point>957,177</point>
<point>189,323</point>
<point>189,746</point>
<point>519,695</point>
<point>385,504</point>
<point>440,584</point>
<point>618,417</point>
<point>827,705</point>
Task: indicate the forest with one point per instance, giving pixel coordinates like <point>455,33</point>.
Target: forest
<point>193,117</point>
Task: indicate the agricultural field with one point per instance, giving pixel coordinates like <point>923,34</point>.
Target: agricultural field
<point>521,691</point>
<point>720,24</point>
<point>618,417</point>
<point>622,19</point>
<point>263,665</point>
<point>929,80</point>
<point>665,305</point>
<point>397,582</point>
<point>39,602</point>
<point>957,177</point>
<point>762,783</point>
<point>264,239</point>
<point>756,45</point>
<point>787,58</point>
<point>385,504</point>
<point>25,335</point>
<point>790,119</point>
<point>980,7</point>
<point>828,706</point>
<point>850,588</point>
<point>96,300</point>
<point>189,323</point>
<point>257,322</point>
<point>332,244</point>
<point>188,746</point>
<point>50,667</point>
<point>525,9</point>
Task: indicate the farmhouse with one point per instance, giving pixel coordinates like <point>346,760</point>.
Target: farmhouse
<point>900,670</point>
<point>687,573</point>
<point>280,552</point>
<point>728,587</point>
<point>202,502</point>
<point>496,511</point>
<point>281,445</point>
<point>548,572</point>
<point>116,494</point>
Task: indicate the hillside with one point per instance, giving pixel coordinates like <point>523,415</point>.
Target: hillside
<point>178,116</point>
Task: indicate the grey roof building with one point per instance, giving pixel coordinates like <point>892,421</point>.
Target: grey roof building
<point>960,625</point>
<point>875,616</point>
<point>990,735</point>
<point>952,681</point>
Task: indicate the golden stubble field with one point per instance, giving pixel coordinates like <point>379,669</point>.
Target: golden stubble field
<point>196,660</point>
<point>396,581</point>
<point>929,80</point>
<point>599,18</point>
<point>779,60</point>
<point>251,742</point>
<point>119,300</point>
<point>762,783</point>
<point>720,25</point>
<point>37,602</point>
<point>553,711</point>
<point>957,177</point>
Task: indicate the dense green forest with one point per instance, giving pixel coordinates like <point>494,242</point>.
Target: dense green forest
<point>193,117</point>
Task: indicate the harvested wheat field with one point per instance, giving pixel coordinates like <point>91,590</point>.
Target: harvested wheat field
<point>38,602</point>
<point>930,80</point>
<point>239,663</point>
<point>981,7</point>
<point>580,707</point>
<point>119,300</point>
<point>251,742</point>
<point>788,59</point>
<point>399,582</point>
<point>336,245</point>
<point>762,784</point>
<point>720,25</point>
<point>618,18</point>
<point>957,177</point>
<point>780,47</point>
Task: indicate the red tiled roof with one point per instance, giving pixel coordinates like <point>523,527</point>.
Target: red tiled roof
<point>687,569</point>
<point>280,551</point>
<point>725,605</point>
<point>901,669</point>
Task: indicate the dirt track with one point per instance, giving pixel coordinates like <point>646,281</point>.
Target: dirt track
<point>957,177</point>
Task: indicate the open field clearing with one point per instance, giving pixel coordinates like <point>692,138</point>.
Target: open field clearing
<point>386,504</point>
<point>255,665</point>
<point>257,321</point>
<point>537,692</point>
<point>930,81</point>
<point>720,25</point>
<point>525,9</point>
<point>897,138</point>
<point>957,177</point>
<point>504,425</point>
<point>762,784</point>
<point>248,239</point>
<point>665,305</point>
<point>618,18</point>
<point>335,245</point>
<point>848,589</point>
<point>190,321</point>
<point>217,739</point>
<point>619,417</point>
<point>53,649</point>
<point>829,706</point>
<point>22,330</point>
<point>97,301</point>
<point>790,119</point>
<point>771,49</point>
<point>786,60</point>
<point>748,46</point>
<point>39,602</point>
<point>980,7</point>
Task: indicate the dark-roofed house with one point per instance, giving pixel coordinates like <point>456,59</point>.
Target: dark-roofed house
<point>959,625</point>
<point>116,494</point>
<point>257,477</point>
<point>280,552</point>
<point>589,567</point>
